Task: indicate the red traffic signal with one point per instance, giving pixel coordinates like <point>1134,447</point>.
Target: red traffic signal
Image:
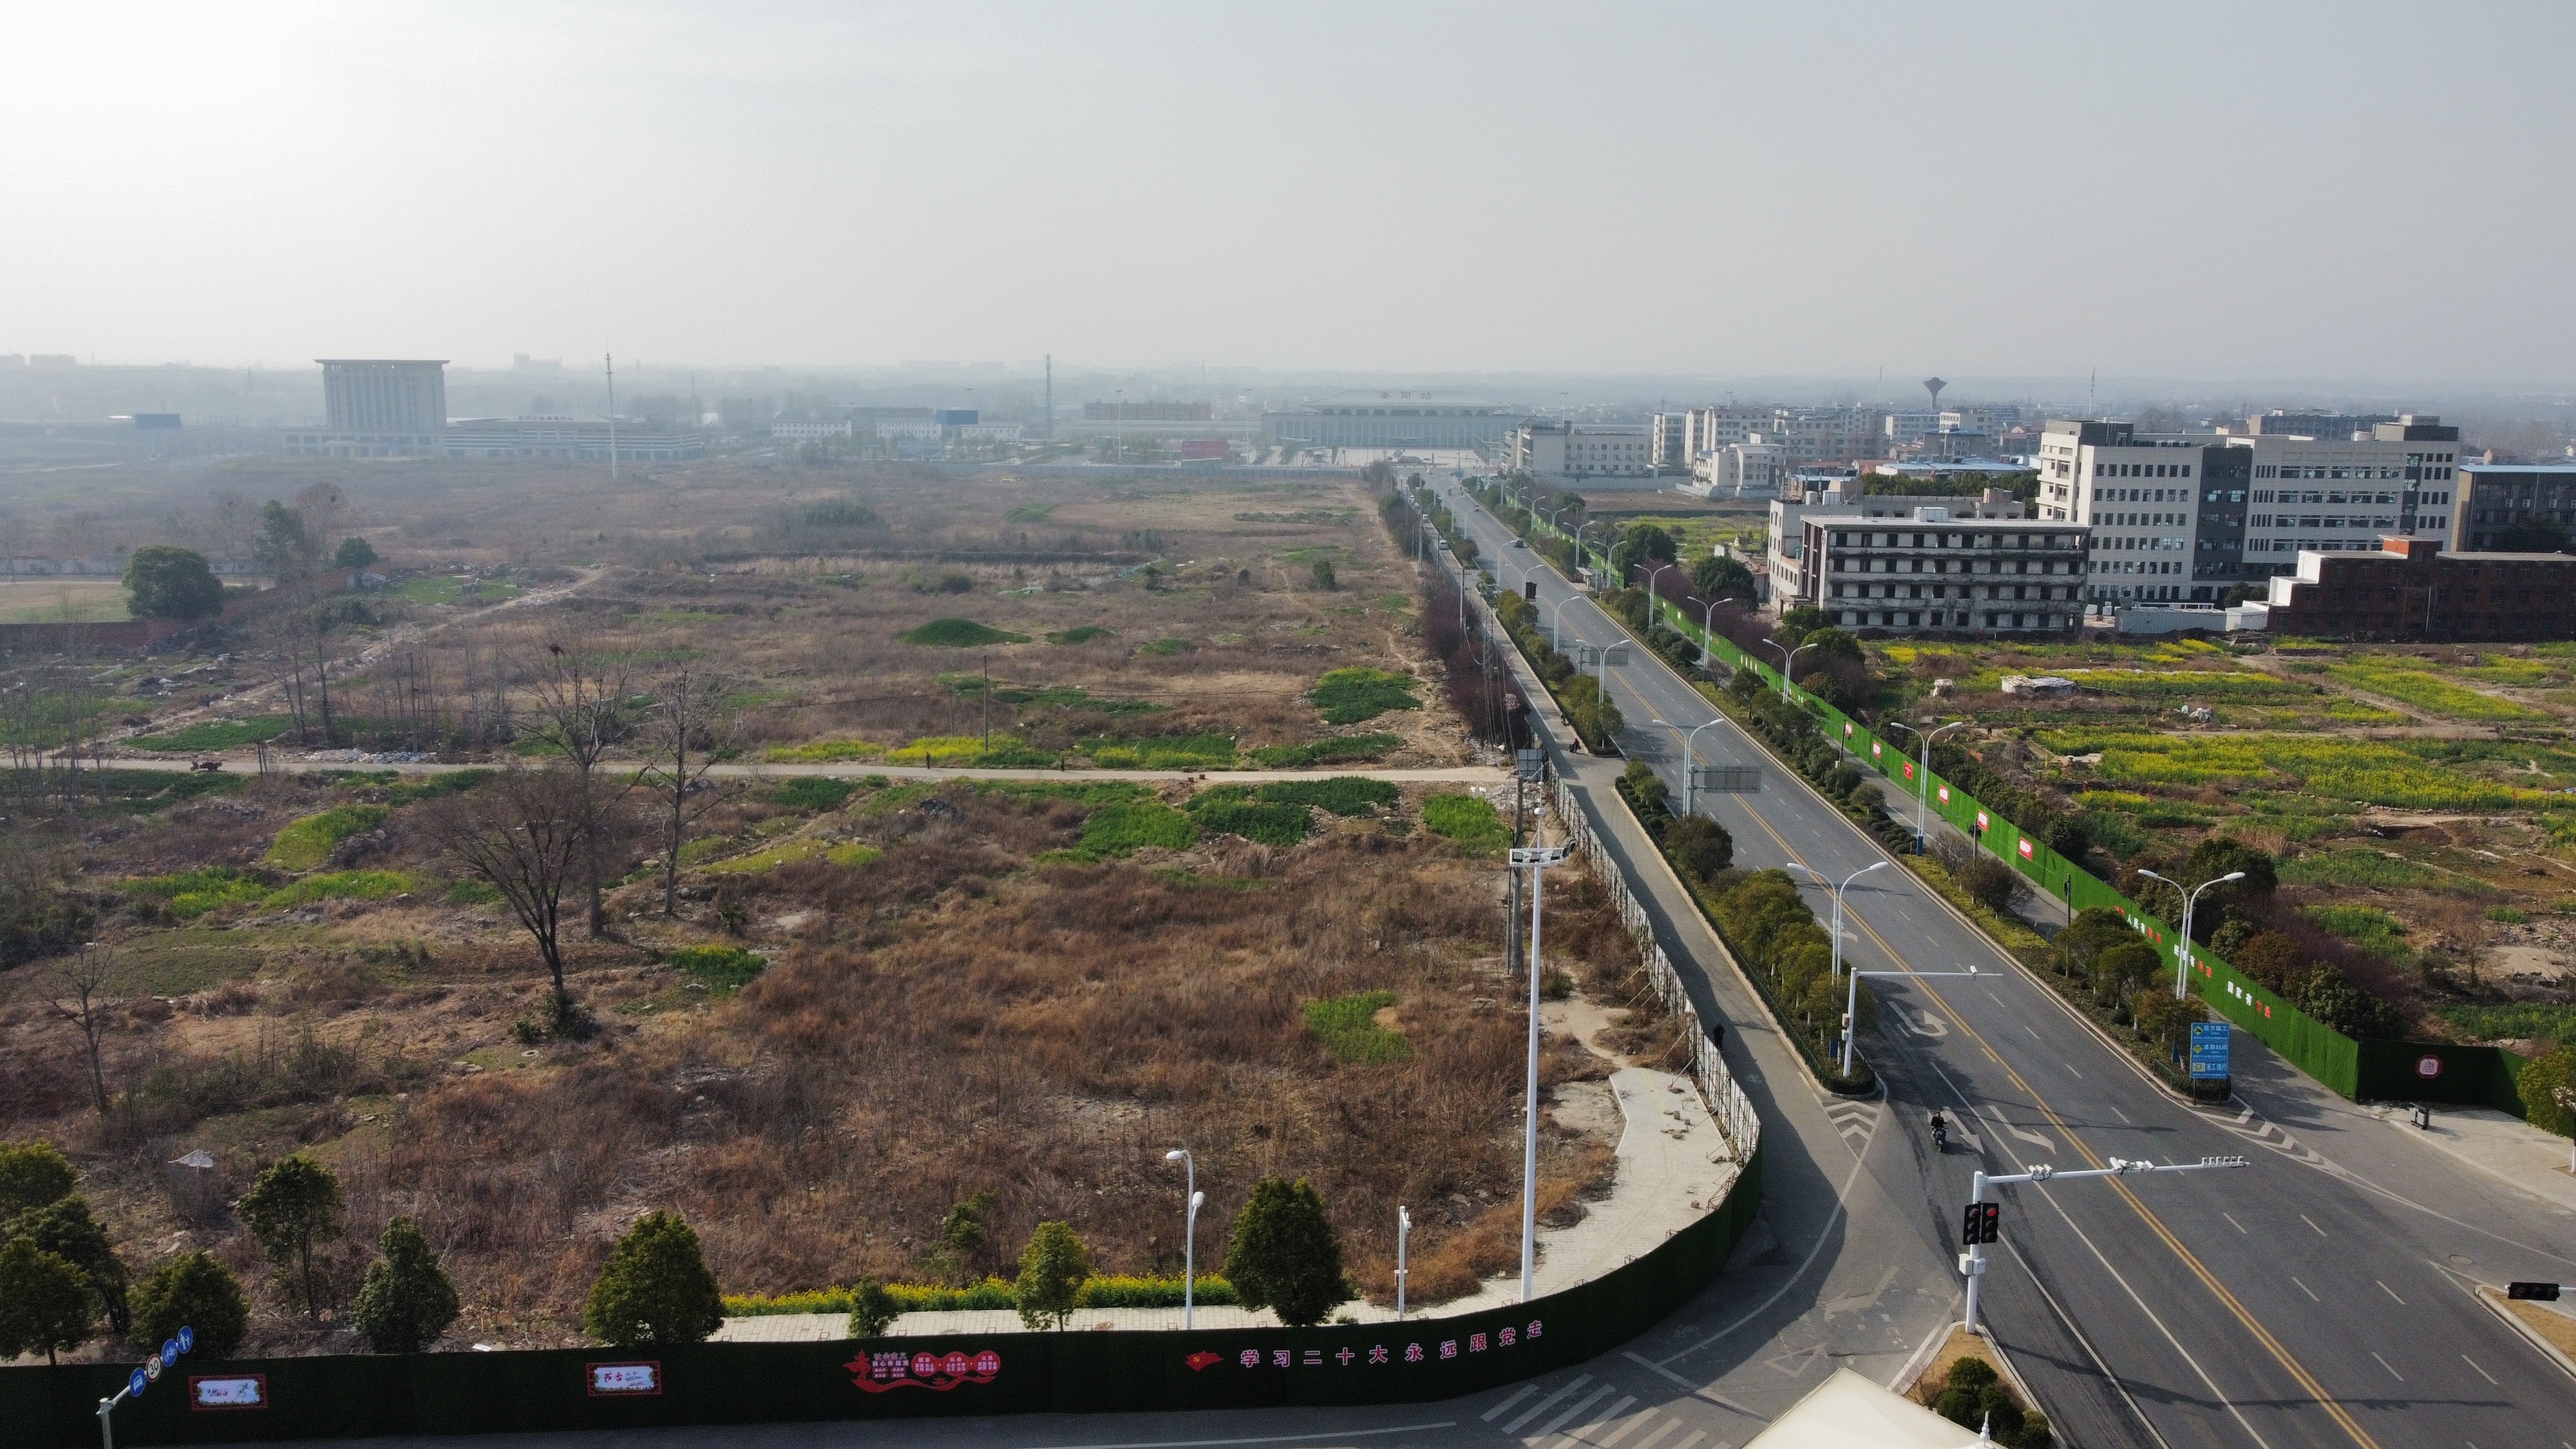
<point>2543,1291</point>
<point>1983,1224</point>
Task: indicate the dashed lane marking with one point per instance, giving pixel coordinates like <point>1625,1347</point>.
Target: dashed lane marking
<point>1542,1406</point>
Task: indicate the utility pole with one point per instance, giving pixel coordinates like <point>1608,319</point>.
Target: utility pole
<point>1985,1220</point>
<point>611,359</point>
<point>1050,397</point>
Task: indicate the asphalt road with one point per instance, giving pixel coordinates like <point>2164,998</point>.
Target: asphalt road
<point>2320,1297</point>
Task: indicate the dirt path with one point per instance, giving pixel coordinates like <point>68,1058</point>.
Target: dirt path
<point>1492,775</point>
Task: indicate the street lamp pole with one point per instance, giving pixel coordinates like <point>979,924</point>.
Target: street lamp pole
<point>1690,766</point>
<point>1838,890</point>
<point>1534,859</point>
<point>1923,781</point>
<point>1973,1261</point>
<point>2182,948</point>
<point>1788,661</point>
<point>1851,1006</point>
<point>1403,1230</point>
<point>1556,623</point>
<point>1190,1238</point>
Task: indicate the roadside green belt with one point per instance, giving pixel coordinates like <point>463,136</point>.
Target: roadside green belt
<point>2358,1069</point>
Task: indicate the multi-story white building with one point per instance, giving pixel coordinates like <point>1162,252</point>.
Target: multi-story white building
<point>377,408</point>
<point>1929,571</point>
<point>581,439</point>
<point>2187,516</point>
<point>1785,550</point>
<point>809,432</point>
<point>1583,450</point>
<point>1751,469</point>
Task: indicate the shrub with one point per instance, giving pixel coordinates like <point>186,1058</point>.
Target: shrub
<point>2541,1083</point>
<point>191,894</point>
<point>1052,1269</point>
<point>2502,915</point>
<point>194,1291</point>
<point>293,1205</point>
<point>1991,883</point>
<point>823,752</point>
<point>1080,634</point>
<point>309,842</point>
<point>167,582</point>
<point>2513,1021</point>
<point>1700,847</point>
<point>958,634</point>
<point>1339,794</point>
<point>1467,819</point>
<point>1119,830</point>
<point>1269,824</point>
<point>655,1289</point>
<point>339,885</point>
<point>1285,1256</point>
<point>1165,648</point>
<point>2373,930</point>
<point>2331,998</point>
<point>44,1301</point>
<point>812,792</point>
<point>1347,1025</point>
<point>2273,959</point>
<point>724,969</point>
<point>1972,1396</point>
<point>32,1174</point>
<point>872,1309</point>
<point>1343,749</point>
<point>1352,696</point>
<point>64,1228</point>
<point>406,1302</point>
<point>1644,788</point>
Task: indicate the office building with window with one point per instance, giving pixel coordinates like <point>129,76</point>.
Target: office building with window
<point>1785,551</point>
<point>2509,505</point>
<point>376,408</point>
<point>1932,572</point>
<point>1397,418</point>
<point>1579,451</point>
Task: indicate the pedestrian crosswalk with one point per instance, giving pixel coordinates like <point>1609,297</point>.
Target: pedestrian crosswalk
<point>2254,1129</point>
<point>1594,1414</point>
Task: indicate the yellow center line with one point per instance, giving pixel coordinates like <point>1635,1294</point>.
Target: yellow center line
<point>2209,1280</point>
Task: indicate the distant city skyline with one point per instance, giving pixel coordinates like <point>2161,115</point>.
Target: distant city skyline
<point>2195,193</point>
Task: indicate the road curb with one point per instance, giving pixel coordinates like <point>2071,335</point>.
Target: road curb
<point>2489,1297</point>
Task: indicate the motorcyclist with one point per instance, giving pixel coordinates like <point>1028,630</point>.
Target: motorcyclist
<point>1940,1128</point>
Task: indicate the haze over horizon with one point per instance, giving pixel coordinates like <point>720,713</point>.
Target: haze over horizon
<point>2369,193</point>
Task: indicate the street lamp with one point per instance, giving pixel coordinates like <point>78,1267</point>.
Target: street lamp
<point>1556,622</point>
<point>1403,1230</point>
<point>1689,765</point>
<point>1923,780</point>
<point>1788,661</point>
<point>1827,881</point>
<point>2182,948</point>
<point>1708,631</point>
<point>1190,1239</point>
<point>1851,1006</point>
<point>1534,859</point>
<point>1578,537</point>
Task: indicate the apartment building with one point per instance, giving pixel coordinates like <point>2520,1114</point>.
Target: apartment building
<point>1752,469</point>
<point>1931,572</point>
<point>1583,450</point>
<point>2494,499</point>
<point>1785,551</point>
<point>2184,517</point>
<point>2410,589</point>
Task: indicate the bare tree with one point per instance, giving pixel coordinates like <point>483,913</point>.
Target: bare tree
<point>583,712</point>
<point>86,990</point>
<point>522,834</point>
<point>689,725</point>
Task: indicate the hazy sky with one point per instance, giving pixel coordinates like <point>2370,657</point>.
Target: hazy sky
<point>2337,190</point>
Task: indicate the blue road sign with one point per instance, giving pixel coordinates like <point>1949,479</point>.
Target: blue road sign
<point>187,1338</point>
<point>2208,1050</point>
<point>135,1383</point>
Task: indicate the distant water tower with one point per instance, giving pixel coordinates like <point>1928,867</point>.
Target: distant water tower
<point>1933,385</point>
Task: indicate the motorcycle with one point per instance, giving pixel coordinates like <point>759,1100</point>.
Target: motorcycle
<point>1940,1135</point>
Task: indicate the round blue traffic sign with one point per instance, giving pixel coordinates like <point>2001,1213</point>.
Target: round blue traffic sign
<point>170,1353</point>
<point>187,1338</point>
<point>135,1383</point>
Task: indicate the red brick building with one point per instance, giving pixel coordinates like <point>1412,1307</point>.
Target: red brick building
<point>2411,589</point>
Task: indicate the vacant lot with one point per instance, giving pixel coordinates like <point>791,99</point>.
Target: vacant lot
<point>62,601</point>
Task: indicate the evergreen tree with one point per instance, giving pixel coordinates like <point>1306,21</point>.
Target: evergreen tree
<point>44,1301</point>
<point>293,1205</point>
<point>1053,1269</point>
<point>656,1288</point>
<point>32,1174</point>
<point>406,1301</point>
<point>872,1309</point>
<point>195,1292</point>
<point>164,582</point>
<point>354,553</point>
<point>65,1228</point>
<point>1285,1256</point>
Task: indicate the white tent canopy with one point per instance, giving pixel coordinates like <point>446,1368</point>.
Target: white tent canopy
<point>1849,1412</point>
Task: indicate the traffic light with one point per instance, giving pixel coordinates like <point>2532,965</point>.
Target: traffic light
<point>2543,1291</point>
<point>1984,1224</point>
<point>1529,590</point>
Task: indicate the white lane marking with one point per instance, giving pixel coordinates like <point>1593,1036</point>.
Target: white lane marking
<point>2391,1292</point>
<point>2086,1344</point>
<point>2233,1223</point>
<point>1841,1196</point>
<point>2482,1373</point>
<point>1575,1434</point>
<point>1696,1436</point>
<point>2304,1288</point>
<point>1575,1408</point>
<point>1668,1426</point>
<point>1498,1410</point>
<point>1626,1429</point>
<point>2033,1138</point>
<point>2123,1116</point>
<point>1264,1439</point>
<point>1541,1407</point>
<point>2312,1222</point>
<point>2392,1369</point>
<point>2070,1066</point>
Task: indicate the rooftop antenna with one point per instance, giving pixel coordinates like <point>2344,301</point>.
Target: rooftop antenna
<point>1933,385</point>
<point>611,359</point>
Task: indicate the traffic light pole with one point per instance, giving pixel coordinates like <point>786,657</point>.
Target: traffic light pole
<point>1984,1221</point>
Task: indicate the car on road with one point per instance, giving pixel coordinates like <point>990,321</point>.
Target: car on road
<point>1520,543</point>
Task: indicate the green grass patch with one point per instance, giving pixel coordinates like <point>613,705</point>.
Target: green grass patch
<point>473,893</point>
<point>340,885</point>
<point>1080,634</point>
<point>1165,648</point>
<point>1339,750</point>
<point>1348,1026</point>
<point>823,752</point>
<point>1162,752</point>
<point>2416,774</point>
<point>1469,820</point>
<point>723,970</point>
<point>964,752</point>
<point>1229,810</point>
<point>1053,696</point>
<point>2365,868</point>
<point>2506,916</point>
<point>207,736</point>
<point>309,841</point>
<point>1115,831</point>
<point>191,894</point>
<point>958,634</point>
<point>788,851</point>
<point>432,787</point>
<point>2428,691</point>
<point>1030,513</point>
<point>1340,794</point>
<point>2512,1020</point>
<point>1355,696</point>
<point>2368,927</point>
<point>812,792</point>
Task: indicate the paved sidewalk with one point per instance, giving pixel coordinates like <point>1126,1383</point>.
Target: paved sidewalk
<point>2503,1147</point>
<point>1673,1167</point>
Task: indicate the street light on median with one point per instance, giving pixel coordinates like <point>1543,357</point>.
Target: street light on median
<point>1827,882</point>
<point>2182,948</point>
<point>1851,1006</point>
<point>1923,780</point>
<point>1689,766</point>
